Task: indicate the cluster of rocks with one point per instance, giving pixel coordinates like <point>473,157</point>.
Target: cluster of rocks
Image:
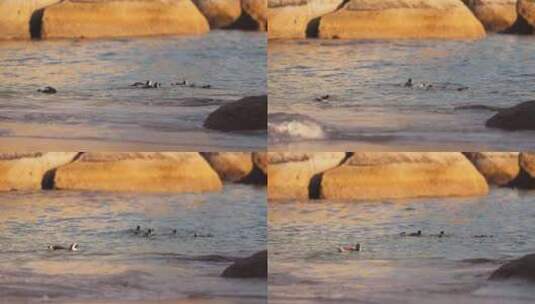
<point>45,19</point>
<point>386,19</point>
<point>394,175</point>
<point>130,171</point>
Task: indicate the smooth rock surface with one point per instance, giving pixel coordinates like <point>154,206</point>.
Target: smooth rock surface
<point>519,117</point>
<point>522,268</point>
<point>220,13</point>
<point>230,166</point>
<point>498,168</point>
<point>116,18</point>
<point>290,175</point>
<point>495,15</point>
<point>293,18</point>
<point>28,171</point>
<point>395,19</point>
<point>15,17</point>
<point>254,266</point>
<point>139,172</point>
<point>246,114</point>
<point>397,175</point>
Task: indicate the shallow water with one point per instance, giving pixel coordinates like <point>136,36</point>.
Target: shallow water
<point>95,108</point>
<point>370,109</point>
<point>114,264</point>
<point>305,266</point>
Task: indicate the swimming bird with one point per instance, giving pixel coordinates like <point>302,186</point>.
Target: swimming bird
<point>323,98</point>
<point>408,84</point>
<point>347,248</point>
<point>138,230</point>
<point>418,233</point>
<point>72,247</point>
<point>174,231</point>
<point>47,90</point>
<point>441,234</point>
<point>148,233</point>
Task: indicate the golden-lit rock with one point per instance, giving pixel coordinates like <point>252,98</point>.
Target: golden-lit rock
<point>15,17</point>
<point>495,15</point>
<point>220,13</point>
<point>122,18</point>
<point>290,175</point>
<point>143,172</point>
<point>260,160</point>
<point>293,18</point>
<point>395,19</point>
<point>257,11</point>
<point>526,178</point>
<point>498,168</point>
<point>396,175</point>
<point>526,9</point>
<point>30,171</point>
<point>231,166</point>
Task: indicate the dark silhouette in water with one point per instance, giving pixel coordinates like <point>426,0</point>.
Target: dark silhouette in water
<point>148,233</point>
<point>323,98</point>
<point>408,84</point>
<point>347,248</point>
<point>418,233</point>
<point>72,247</point>
<point>47,90</point>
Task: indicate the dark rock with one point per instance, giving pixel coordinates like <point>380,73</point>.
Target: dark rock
<point>254,266</point>
<point>519,117</point>
<point>248,113</point>
<point>523,268</point>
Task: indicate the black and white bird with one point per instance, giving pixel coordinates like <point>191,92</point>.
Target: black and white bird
<point>47,90</point>
<point>72,247</point>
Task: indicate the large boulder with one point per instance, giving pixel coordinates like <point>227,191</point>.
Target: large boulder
<point>254,266</point>
<point>294,18</point>
<point>495,15</point>
<point>498,168</point>
<point>255,11</point>
<point>220,13</point>
<point>394,19</point>
<point>526,9</point>
<point>231,166</point>
<point>141,172</point>
<point>122,18</point>
<point>295,175</point>
<point>31,171</point>
<point>391,175</point>
<point>16,17</point>
<point>519,117</point>
<point>526,178</point>
<point>246,114</point>
<point>520,269</point>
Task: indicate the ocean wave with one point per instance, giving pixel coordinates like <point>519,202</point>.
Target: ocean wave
<point>284,127</point>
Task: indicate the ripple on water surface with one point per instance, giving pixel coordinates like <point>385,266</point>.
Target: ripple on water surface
<point>113,262</point>
<point>306,267</point>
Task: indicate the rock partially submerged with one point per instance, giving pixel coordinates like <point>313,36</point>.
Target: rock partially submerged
<point>220,13</point>
<point>246,114</point>
<point>521,269</point>
<point>294,175</point>
<point>394,19</point>
<point>31,171</point>
<point>139,172</point>
<point>519,117</point>
<point>254,266</point>
<point>16,17</point>
<point>396,175</point>
<point>498,168</point>
<point>121,18</point>
<point>495,15</point>
<point>231,166</point>
<point>297,18</point>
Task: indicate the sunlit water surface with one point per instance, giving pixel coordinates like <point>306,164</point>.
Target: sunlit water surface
<point>96,107</point>
<point>370,109</point>
<point>305,266</point>
<point>115,265</point>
